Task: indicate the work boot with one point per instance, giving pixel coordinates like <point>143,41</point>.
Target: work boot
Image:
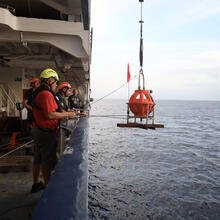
<point>37,187</point>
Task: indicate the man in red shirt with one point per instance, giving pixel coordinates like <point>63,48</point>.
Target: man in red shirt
<point>45,126</point>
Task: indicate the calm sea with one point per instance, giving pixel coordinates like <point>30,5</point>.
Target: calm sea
<point>170,173</point>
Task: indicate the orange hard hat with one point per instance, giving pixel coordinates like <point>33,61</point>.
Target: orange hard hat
<point>63,85</point>
<point>34,79</point>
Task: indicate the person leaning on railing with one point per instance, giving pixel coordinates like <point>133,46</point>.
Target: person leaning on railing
<point>74,100</point>
<point>63,92</point>
<point>45,127</point>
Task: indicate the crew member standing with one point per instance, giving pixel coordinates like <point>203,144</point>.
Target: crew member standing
<point>28,98</point>
<point>45,126</point>
<point>62,94</point>
<point>74,100</point>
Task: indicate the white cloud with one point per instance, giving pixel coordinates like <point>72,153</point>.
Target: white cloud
<point>199,10</point>
<point>177,68</point>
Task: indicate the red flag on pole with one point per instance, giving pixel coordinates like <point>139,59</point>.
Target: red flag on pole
<point>128,73</point>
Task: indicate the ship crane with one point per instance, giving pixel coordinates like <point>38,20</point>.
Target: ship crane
<point>141,103</point>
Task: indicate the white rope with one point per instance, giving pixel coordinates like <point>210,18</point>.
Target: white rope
<point>110,93</point>
<point>17,149</point>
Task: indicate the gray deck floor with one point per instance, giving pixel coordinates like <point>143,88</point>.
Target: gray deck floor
<point>16,201</point>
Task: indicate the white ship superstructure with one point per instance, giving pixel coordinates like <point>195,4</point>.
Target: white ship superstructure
<point>38,34</point>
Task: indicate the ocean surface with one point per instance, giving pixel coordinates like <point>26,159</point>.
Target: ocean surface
<point>168,173</point>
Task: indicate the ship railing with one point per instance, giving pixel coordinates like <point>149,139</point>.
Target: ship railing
<point>66,128</point>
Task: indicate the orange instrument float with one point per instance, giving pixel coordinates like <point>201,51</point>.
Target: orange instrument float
<point>141,103</point>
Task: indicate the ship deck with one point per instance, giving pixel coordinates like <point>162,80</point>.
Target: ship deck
<point>16,201</point>
<point>68,181</point>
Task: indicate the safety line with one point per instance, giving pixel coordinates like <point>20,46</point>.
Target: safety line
<point>109,116</point>
<point>115,90</point>
<point>16,149</point>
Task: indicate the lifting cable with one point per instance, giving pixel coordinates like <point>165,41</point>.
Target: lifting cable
<point>141,52</point>
<point>141,73</point>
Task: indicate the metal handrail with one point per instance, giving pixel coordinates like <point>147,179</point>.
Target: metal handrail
<point>9,102</point>
<point>13,95</point>
<point>6,94</point>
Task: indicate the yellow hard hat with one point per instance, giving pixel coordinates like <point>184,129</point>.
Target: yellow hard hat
<point>47,73</point>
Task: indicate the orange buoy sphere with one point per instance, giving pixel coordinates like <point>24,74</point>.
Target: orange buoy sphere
<point>141,103</point>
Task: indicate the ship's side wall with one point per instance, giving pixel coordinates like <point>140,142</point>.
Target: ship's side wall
<point>66,196</point>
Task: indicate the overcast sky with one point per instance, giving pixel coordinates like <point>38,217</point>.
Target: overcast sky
<point>181,47</point>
